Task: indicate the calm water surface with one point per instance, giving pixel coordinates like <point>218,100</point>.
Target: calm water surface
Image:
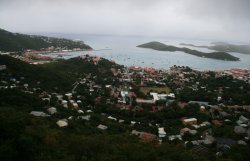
<point>123,50</point>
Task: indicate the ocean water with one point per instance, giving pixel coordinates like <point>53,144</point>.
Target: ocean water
<point>123,50</point>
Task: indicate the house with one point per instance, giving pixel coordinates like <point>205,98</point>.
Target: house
<point>195,142</point>
<point>162,96</point>
<point>124,93</point>
<point>147,137</point>
<point>39,114</point>
<point>143,101</point>
<point>87,117</point>
<point>102,127</point>
<point>205,123</point>
<point>3,67</point>
<point>52,110</point>
<point>59,97</point>
<point>121,121</point>
<point>239,130</point>
<point>190,121</point>
<point>171,95</point>
<point>68,95</point>
<point>241,142</point>
<point>185,130</point>
<point>79,101</point>
<point>207,135</point>
<point>75,105</point>
<point>112,118</point>
<point>46,99</point>
<point>224,114</point>
<point>65,103</point>
<point>62,123</point>
<point>80,111</point>
<point>174,137</point>
<point>144,136</point>
<point>108,86</point>
<point>133,123</point>
<point>161,132</point>
<point>242,120</point>
<point>155,96</point>
<point>216,122</point>
<point>202,109</point>
<point>192,132</point>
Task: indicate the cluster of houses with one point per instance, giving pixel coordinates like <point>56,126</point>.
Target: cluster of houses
<point>123,96</point>
<point>241,74</point>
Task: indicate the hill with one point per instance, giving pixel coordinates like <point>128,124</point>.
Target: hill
<point>59,75</point>
<point>19,42</point>
<point>28,137</point>
<point>214,55</point>
<point>224,47</point>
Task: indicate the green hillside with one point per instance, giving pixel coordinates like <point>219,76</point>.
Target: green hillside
<point>58,75</point>
<point>18,42</point>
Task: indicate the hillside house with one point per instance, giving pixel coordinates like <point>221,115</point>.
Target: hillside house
<point>190,121</point>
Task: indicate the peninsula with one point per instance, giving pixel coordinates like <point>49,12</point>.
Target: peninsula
<point>224,47</point>
<point>213,55</point>
<point>15,42</point>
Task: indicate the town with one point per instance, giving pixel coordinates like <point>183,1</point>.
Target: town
<point>205,111</point>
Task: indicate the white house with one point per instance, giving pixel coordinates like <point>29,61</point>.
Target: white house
<point>102,127</point>
<point>62,123</point>
<point>39,114</point>
<point>161,132</point>
<point>52,110</point>
<point>112,118</point>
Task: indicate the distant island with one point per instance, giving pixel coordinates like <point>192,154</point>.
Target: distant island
<point>13,42</point>
<point>224,47</point>
<point>213,55</point>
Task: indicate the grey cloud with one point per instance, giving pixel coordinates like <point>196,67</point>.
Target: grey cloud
<point>198,19</point>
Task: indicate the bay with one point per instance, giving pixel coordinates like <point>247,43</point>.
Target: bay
<point>123,50</point>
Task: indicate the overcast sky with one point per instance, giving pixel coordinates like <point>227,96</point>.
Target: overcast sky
<point>227,20</point>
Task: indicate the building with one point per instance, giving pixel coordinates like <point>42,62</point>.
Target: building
<point>184,130</point>
<point>102,127</point>
<point>155,96</point>
<point>52,110</point>
<point>39,114</point>
<point>143,101</point>
<point>190,121</point>
<point>144,136</point>
<point>161,132</point>
<point>202,109</point>
<point>62,123</point>
<point>3,67</point>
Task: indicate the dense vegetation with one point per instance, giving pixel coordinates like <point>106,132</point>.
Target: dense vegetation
<point>27,138</point>
<point>214,55</point>
<point>57,76</point>
<point>19,42</point>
